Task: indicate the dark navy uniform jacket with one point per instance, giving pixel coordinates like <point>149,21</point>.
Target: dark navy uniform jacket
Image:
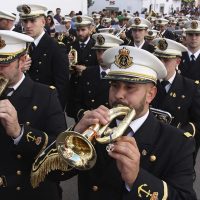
<point>40,113</point>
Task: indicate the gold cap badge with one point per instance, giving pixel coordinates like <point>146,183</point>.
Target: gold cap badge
<point>79,19</point>
<point>162,44</point>
<point>150,33</point>
<point>194,24</point>
<point>2,43</point>
<point>123,60</point>
<point>100,40</point>
<point>137,21</point>
<point>26,9</point>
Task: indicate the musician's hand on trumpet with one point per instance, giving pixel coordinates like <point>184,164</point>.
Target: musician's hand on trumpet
<point>27,63</point>
<point>127,156</point>
<point>71,57</point>
<point>79,68</point>
<point>99,115</point>
<point>9,119</point>
<point>124,149</point>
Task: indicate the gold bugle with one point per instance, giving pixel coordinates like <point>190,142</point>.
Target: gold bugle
<point>77,149</point>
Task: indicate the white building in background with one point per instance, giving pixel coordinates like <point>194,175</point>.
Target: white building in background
<point>65,5</point>
<point>161,6</point>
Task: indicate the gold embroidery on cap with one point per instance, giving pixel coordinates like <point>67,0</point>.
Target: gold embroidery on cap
<point>162,44</point>
<point>2,43</point>
<point>194,24</point>
<point>100,40</point>
<point>123,60</point>
<point>137,21</point>
<point>26,9</point>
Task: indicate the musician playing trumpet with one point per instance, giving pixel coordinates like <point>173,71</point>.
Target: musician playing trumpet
<point>152,159</point>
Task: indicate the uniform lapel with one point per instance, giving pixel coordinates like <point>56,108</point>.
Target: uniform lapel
<point>42,45</point>
<point>20,98</point>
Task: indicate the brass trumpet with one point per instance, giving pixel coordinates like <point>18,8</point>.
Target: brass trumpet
<point>74,53</point>
<point>3,83</point>
<point>162,115</point>
<point>77,150</point>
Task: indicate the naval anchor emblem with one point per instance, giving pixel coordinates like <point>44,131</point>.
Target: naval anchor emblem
<point>147,193</point>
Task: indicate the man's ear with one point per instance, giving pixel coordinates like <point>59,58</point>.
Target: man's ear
<point>178,60</point>
<point>152,91</point>
<point>22,60</point>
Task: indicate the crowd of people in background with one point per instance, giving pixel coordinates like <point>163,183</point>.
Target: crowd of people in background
<point>70,64</point>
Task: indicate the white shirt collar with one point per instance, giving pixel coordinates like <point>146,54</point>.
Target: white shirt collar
<point>139,47</point>
<point>37,40</point>
<point>12,28</point>
<point>172,78</point>
<point>85,41</point>
<point>136,124</point>
<point>163,32</point>
<point>16,85</point>
<point>19,82</point>
<point>196,54</point>
<point>69,28</point>
<point>101,69</point>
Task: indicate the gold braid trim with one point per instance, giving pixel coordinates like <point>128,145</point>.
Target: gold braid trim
<point>165,191</point>
<point>41,169</point>
<point>194,129</point>
<point>45,144</point>
<point>46,162</point>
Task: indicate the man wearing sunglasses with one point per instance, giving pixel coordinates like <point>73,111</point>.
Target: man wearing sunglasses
<point>189,66</point>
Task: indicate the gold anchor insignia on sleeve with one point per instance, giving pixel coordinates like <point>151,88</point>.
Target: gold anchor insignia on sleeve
<point>29,138</point>
<point>142,191</point>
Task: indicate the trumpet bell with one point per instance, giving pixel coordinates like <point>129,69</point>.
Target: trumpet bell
<point>76,150</point>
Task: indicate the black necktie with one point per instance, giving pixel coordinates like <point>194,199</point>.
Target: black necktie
<point>164,84</point>
<point>192,58</point>
<point>6,92</point>
<point>128,130</point>
<point>32,47</point>
<point>103,74</point>
<point>82,45</point>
